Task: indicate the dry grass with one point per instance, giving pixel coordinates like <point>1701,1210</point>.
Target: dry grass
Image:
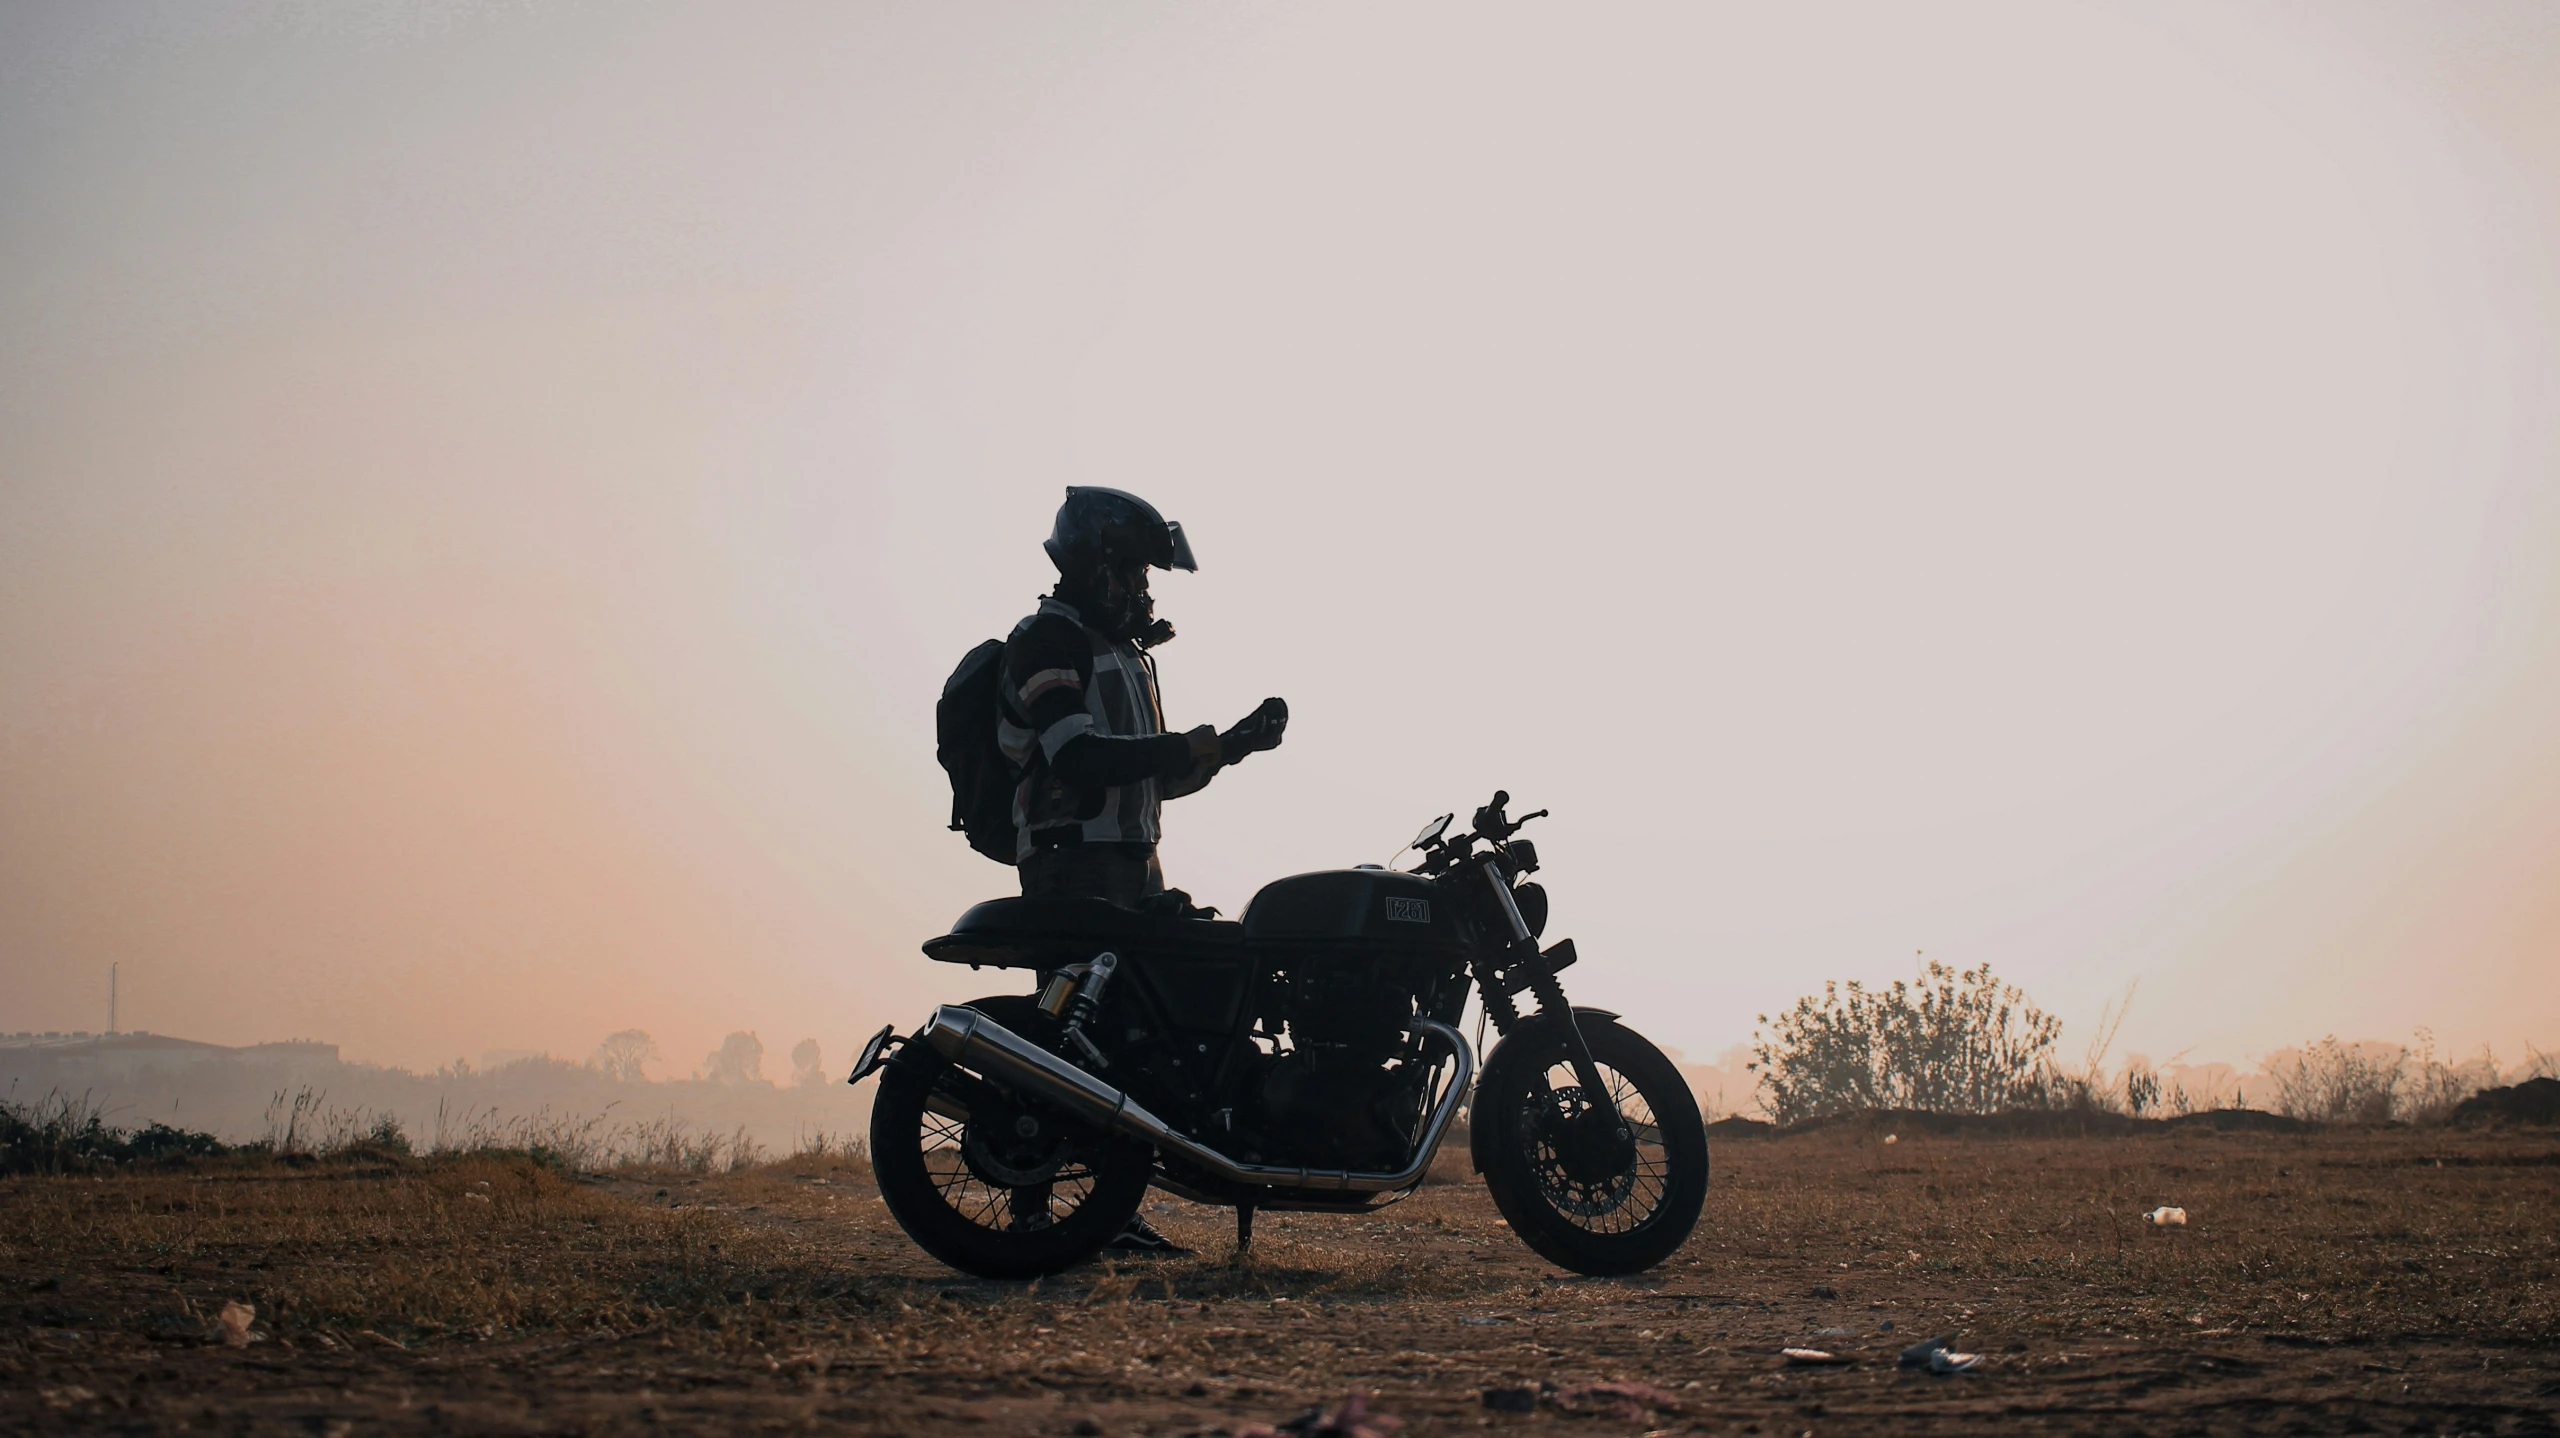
<point>478,1245</point>
<point>2394,1278</point>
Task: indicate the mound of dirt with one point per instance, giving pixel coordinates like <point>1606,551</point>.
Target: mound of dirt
<point>2239,1120</point>
<point>2047,1123</point>
<point>2533,1101</point>
<point>1739,1127</point>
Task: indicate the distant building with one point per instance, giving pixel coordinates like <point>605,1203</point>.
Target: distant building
<point>138,1057</point>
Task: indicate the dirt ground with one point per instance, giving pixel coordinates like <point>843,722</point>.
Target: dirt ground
<point>2398,1281</point>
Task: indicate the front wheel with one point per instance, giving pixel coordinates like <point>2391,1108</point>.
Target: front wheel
<point>992,1185</point>
<point>1587,1194</point>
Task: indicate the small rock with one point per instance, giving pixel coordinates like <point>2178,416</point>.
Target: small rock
<point>1825,1290</point>
<point>234,1322</point>
<point>1086,1428</point>
<point>1511,1400</point>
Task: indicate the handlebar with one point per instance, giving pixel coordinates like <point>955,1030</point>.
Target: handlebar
<point>1492,827</point>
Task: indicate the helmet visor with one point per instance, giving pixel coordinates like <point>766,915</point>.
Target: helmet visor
<point>1181,548</point>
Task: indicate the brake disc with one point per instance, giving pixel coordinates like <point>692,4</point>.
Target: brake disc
<point>1579,1164</point>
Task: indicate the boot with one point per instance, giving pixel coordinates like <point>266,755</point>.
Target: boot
<point>1141,1238</point>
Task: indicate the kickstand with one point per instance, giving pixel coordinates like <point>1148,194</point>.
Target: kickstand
<point>1244,1230</point>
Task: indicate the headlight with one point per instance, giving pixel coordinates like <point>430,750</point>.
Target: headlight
<point>1532,899</point>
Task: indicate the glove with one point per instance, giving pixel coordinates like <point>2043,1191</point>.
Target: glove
<point>1256,732</point>
<point>1203,748</point>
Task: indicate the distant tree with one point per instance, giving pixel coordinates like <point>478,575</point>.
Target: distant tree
<point>739,1059</point>
<point>1953,1043</point>
<point>804,1064</point>
<point>623,1056</point>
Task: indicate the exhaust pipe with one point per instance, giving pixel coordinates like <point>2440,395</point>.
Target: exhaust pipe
<point>972,1040</point>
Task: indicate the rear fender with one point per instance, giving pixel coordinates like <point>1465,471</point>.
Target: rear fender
<point>1523,1038</point>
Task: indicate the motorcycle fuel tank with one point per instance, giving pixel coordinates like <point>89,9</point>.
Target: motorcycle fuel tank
<point>1375,905</point>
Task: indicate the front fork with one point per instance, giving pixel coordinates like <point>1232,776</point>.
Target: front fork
<point>1551,1001</point>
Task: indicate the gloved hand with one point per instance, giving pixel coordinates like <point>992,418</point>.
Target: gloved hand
<point>1205,748</point>
<point>1257,731</point>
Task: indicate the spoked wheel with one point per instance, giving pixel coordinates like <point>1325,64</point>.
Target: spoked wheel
<point>1575,1188</point>
<point>992,1185</point>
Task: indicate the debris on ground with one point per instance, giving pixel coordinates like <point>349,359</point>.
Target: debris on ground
<point>234,1323</point>
<point>1934,1355</point>
<point>1625,1402</point>
<point>1812,1358</point>
<point>1893,1138</point>
<point>1511,1400</point>
<point>2166,1217</point>
<point>1349,1418</point>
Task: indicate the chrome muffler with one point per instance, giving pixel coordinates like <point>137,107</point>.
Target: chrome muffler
<point>972,1040</point>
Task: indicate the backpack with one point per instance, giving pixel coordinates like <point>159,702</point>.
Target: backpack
<point>982,779</point>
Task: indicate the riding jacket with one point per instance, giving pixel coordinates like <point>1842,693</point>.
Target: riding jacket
<point>1083,721</point>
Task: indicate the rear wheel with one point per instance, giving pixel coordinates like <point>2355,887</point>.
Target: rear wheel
<point>1572,1185</point>
<point>988,1183</point>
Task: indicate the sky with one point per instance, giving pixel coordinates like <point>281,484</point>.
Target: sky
<point>489,493</point>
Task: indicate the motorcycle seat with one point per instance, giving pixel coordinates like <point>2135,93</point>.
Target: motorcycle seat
<point>1044,933</point>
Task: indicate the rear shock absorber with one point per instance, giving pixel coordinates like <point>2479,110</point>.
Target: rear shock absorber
<point>1086,1002</point>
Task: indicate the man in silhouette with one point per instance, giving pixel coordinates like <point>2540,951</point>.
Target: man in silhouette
<point>1081,719</point>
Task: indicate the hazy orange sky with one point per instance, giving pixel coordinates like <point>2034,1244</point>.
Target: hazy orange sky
<point>489,493</point>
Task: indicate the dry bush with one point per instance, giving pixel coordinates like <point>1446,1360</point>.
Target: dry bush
<point>670,1143</point>
<point>833,1149</point>
<point>2433,1088</point>
<point>305,1122</point>
<point>2334,1082</point>
<point>1954,1043</point>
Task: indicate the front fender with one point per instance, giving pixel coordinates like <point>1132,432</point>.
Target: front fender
<point>1480,1134</point>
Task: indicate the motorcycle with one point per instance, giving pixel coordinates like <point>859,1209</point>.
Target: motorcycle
<point>1305,1057</point>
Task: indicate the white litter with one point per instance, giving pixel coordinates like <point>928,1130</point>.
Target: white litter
<point>1893,1138</point>
<point>1949,1361</point>
<point>1934,1355</point>
<point>2167,1217</point>
<point>1810,1358</point>
<point>234,1321</point>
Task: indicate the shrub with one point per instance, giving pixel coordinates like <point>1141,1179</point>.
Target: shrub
<point>1957,1042</point>
<point>2333,1082</point>
<point>62,1134</point>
